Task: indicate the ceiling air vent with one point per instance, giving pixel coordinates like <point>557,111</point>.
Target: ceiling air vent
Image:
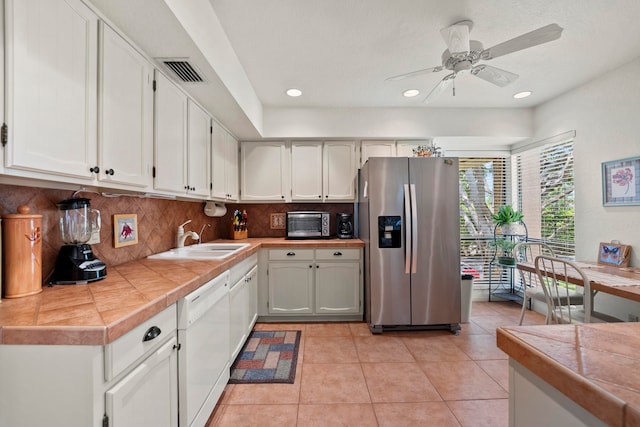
<point>183,69</point>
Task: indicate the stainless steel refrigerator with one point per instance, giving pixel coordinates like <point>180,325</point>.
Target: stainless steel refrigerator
<point>409,219</point>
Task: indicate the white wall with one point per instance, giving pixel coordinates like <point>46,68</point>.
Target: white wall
<point>605,114</point>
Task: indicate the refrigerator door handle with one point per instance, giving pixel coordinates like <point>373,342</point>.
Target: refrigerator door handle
<point>414,230</point>
<point>407,230</point>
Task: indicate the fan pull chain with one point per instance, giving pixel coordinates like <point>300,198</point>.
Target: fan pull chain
<point>454,87</point>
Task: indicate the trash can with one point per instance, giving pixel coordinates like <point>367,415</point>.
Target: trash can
<point>466,283</point>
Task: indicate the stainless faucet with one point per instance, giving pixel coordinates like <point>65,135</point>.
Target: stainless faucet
<point>182,235</point>
<point>202,232</point>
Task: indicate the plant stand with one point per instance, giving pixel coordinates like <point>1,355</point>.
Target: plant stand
<point>505,287</point>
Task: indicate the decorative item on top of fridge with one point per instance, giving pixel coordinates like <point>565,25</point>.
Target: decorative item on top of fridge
<point>430,149</point>
<point>239,225</point>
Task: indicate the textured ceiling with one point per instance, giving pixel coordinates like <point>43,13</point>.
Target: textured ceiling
<point>339,52</point>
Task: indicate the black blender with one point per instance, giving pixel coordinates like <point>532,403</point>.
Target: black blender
<point>76,263</point>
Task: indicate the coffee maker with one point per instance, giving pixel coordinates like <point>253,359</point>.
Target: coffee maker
<point>345,225</point>
<point>76,263</point>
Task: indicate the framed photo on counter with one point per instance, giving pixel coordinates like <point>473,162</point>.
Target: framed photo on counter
<point>621,182</point>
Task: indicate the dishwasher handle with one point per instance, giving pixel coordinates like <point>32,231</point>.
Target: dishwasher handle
<point>152,333</point>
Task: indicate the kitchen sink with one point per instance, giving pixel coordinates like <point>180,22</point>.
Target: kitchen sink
<point>202,251</point>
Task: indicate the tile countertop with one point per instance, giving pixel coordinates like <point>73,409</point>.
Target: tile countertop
<point>100,312</point>
<point>595,365</point>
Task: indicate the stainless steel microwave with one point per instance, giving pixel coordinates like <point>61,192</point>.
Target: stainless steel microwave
<point>307,225</point>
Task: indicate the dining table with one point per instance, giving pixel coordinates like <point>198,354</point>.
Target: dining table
<point>623,282</point>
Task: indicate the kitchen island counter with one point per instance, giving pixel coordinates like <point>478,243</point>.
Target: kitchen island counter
<point>100,312</point>
<point>593,365</point>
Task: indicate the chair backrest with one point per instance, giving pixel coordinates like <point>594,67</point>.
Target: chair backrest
<point>527,252</point>
<point>557,276</point>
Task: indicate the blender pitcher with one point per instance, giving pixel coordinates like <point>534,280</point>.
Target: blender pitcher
<point>76,262</point>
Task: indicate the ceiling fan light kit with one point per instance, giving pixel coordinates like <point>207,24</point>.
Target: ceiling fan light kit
<point>462,55</point>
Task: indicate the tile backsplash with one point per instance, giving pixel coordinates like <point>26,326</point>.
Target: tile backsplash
<point>158,220</point>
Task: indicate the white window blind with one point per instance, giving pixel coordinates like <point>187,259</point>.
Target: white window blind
<point>484,186</point>
<point>545,193</point>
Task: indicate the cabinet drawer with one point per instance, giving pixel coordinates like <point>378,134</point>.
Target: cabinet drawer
<point>124,351</point>
<point>337,254</point>
<point>291,254</point>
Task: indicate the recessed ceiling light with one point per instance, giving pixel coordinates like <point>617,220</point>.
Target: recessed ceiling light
<point>410,93</point>
<point>294,92</point>
<point>522,94</point>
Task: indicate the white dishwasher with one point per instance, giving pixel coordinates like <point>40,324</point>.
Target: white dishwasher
<point>203,359</point>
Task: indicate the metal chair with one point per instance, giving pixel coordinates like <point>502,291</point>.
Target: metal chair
<point>527,252</point>
<point>556,276</point>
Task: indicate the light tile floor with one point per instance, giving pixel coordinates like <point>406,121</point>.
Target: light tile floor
<point>347,376</point>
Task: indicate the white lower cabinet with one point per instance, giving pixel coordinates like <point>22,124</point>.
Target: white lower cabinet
<point>132,381</point>
<point>243,304</point>
<point>314,282</point>
<point>148,396</point>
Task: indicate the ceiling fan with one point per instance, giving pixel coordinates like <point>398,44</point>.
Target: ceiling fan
<point>463,54</point>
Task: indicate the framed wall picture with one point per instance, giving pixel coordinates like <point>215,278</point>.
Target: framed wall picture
<point>125,230</point>
<point>621,182</point>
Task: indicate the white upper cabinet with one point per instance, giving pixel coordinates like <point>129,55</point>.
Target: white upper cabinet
<point>376,149</point>
<point>405,148</point>
<point>224,165</point>
<point>170,145</point>
<point>199,142</point>
<point>182,142</point>
<point>51,62</point>
<point>306,171</point>
<point>265,171</point>
<point>125,96</point>
<point>339,171</point>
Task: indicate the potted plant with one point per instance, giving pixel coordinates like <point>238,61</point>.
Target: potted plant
<point>504,251</point>
<point>428,150</point>
<point>505,217</point>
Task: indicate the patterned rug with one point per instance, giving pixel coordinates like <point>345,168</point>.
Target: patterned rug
<point>267,357</point>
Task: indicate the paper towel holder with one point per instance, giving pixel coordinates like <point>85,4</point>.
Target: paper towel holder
<point>215,209</point>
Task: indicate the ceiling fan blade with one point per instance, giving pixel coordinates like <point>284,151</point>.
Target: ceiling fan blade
<point>494,75</point>
<point>457,38</point>
<point>440,87</point>
<point>414,73</point>
<point>541,35</point>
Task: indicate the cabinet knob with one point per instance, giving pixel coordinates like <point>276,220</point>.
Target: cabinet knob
<point>109,172</point>
<point>311,266</point>
<point>282,197</point>
<point>319,197</point>
<point>337,254</point>
<point>151,333</point>
<point>95,169</point>
<point>317,266</point>
<point>291,254</point>
<point>186,187</point>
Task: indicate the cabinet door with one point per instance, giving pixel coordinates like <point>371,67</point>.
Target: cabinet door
<point>306,171</point>
<point>51,60</point>
<point>290,287</point>
<point>148,396</point>
<point>170,136</point>
<point>264,170</point>
<point>339,170</point>
<point>405,148</point>
<point>218,163</point>
<point>337,287</point>
<point>199,139</point>
<point>376,149</point>
<point>126,113</point>
<point>239,306</point>
<point>231,158</point>
<point>252,291</point>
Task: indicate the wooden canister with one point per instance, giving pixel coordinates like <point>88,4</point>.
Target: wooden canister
<point>22,251</point>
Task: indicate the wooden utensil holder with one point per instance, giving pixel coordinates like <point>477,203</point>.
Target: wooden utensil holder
<point>239,234</point>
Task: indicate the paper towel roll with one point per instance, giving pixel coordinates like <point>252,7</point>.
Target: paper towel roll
<point>215,209</point>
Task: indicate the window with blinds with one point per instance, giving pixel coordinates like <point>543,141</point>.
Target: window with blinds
<point>545,195</point>
<point>483,187</point>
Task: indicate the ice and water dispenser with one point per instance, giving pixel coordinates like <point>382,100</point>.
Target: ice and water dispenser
<point>389,232</point>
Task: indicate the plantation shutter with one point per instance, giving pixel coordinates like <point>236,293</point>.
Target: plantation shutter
<point>484,186</point>
<point>545,194</point>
